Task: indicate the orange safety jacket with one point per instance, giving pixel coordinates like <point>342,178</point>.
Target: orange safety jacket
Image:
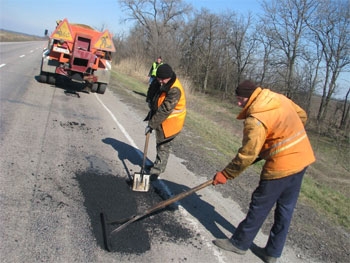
<point>174,123</point>
<point>274,131</point>
<point>287,146</point>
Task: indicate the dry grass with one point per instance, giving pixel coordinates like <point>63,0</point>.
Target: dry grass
<point>9,36</point>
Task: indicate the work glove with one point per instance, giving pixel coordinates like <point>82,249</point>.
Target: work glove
<point>219,178</point>
<point>148,117</point>
<point>148,130</point>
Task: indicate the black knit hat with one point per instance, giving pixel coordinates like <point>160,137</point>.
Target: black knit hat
<point>245,89</point>
<point>164,71</point>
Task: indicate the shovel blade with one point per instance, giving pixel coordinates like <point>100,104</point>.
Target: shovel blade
<point>141,182</point>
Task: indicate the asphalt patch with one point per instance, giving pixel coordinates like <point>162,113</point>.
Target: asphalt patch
<point>112,195</point>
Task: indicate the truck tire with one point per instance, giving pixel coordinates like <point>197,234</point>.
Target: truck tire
<point>51,79</point>
<point>94,87</point>
<point>102,88</point>
<point>43,77</point>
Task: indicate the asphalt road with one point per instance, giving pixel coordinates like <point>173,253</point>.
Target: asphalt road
<point>66,157</point>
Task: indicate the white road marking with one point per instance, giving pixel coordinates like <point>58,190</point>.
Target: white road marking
<point>21,56</point>
<point>126,134</point>
<point>2,65</point>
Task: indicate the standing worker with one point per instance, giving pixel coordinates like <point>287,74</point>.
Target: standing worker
<point>153,71</point>
<point>273,131</point>
<point>167,101</point>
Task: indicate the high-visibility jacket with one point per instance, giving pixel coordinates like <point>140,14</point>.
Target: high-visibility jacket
<point>274,131</point>
<point>155,66</point>
<point>174,123</point>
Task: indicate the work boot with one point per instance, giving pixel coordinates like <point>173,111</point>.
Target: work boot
<point>148,167</point>
<point>155,171</point>
<point>261,253</point>
<point>228,245</point>
<point>153,177</point>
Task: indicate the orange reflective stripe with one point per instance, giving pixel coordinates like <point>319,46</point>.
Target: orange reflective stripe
<point>176,113</point>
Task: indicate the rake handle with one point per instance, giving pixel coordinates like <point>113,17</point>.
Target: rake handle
<point>163,204</point>
<point>177,197</point>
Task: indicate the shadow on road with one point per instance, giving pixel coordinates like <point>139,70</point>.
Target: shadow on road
<point>109,194</point>
<point>203,211</point>
<point>126,152</point>
<point>70,87</point>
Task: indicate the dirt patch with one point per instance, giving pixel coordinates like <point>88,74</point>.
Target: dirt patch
<point>310,233</point>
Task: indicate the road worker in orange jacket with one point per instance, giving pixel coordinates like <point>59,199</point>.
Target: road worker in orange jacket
<point>167,101</point>
<point>273,131</point>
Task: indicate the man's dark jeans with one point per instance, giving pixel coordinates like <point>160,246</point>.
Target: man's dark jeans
<point>284,193</point>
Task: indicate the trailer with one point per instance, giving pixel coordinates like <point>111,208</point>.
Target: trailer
<point>79,53</point>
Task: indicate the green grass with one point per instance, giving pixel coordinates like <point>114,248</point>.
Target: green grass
<point>219,139</point>
<point>327,201</point>
<point>130,82</point>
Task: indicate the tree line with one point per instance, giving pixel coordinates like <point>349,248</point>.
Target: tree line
<point>297,47</point>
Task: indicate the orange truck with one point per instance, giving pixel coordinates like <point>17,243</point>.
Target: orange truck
<point>80,53</point>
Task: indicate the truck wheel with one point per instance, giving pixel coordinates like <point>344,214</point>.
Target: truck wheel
<point>51,80</point>
<point>102,88</point>
<point>94,87</point>
<point>43,77</point>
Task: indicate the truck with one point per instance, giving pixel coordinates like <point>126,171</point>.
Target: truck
<point>80,53</point>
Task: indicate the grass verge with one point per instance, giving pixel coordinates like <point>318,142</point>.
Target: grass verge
<point>214,121</point>
<point>327,201</point>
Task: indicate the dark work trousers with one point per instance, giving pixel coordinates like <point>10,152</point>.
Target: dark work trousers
<point>163,147</point>
<point>284,193</point>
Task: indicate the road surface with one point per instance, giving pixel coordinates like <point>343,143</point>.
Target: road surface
<point>66,157</point>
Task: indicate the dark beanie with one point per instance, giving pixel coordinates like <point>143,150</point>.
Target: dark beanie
<point>245,89</point>
<point>164,71</point>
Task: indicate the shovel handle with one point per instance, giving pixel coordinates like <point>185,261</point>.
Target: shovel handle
<point>163,204</point>
<point>145,152</point>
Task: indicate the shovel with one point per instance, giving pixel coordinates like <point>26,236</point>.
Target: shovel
<point>141,180</point>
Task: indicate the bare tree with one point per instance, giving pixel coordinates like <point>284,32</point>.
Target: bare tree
<point>309,74</point>
<point>285,22</point>
<point>134,48</point>
<point>158,18</point>
<point>344,122</point>
<point>200,51</point>
<point>331,27</point>
<point>211,23</point>
<point>242,43</point>
<point>266,49</point>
